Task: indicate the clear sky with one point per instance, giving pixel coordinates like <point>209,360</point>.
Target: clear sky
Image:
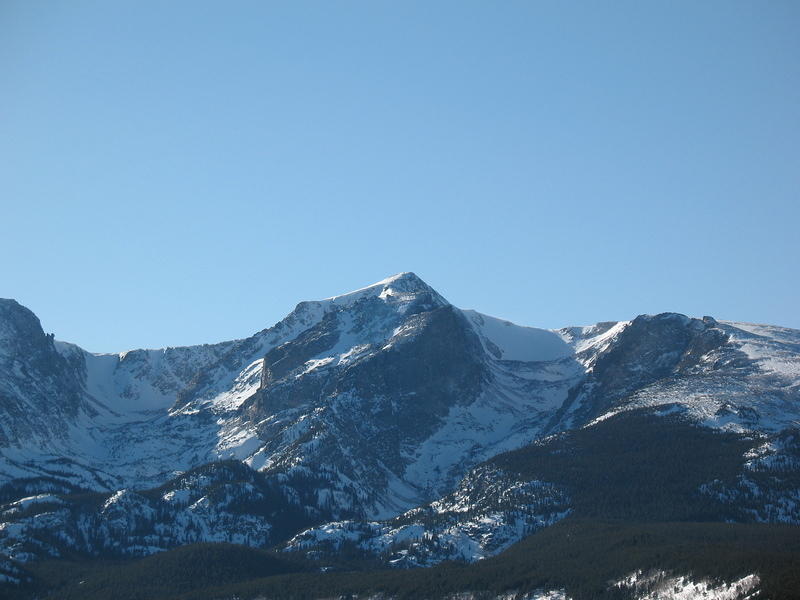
<point>184,172</point>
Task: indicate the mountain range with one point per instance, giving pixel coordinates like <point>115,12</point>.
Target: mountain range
<point>387,429</point>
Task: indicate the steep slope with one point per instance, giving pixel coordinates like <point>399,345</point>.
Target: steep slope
<point>40,391</point>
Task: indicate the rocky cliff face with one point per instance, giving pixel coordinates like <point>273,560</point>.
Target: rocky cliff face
<point>648,350</point>
<point>40,390</point>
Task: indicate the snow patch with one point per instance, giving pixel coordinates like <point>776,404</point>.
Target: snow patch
<point>658,585</point>
<point>514,342</point>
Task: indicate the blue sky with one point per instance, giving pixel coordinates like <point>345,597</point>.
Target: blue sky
<point>186,172</point>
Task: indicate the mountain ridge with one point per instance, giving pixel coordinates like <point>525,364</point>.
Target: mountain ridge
<point>380,409</point>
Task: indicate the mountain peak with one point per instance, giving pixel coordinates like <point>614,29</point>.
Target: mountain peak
<point>406,283</point>
<point>401,288</point>
<point>401,294</point>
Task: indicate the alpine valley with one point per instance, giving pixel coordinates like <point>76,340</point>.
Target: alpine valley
<point>386,444</point>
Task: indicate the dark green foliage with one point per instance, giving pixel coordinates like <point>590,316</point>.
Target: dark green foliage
<point>581,556</point>
<point>636,466</point>
<point>193,567</point>
<point>31,486</point>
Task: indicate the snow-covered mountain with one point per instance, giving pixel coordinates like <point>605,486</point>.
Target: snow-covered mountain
<point>444,389</point>
<point>378,409</point>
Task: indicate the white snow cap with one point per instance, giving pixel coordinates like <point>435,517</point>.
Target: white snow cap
<point>402,282</point>
<point>402,286</point>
